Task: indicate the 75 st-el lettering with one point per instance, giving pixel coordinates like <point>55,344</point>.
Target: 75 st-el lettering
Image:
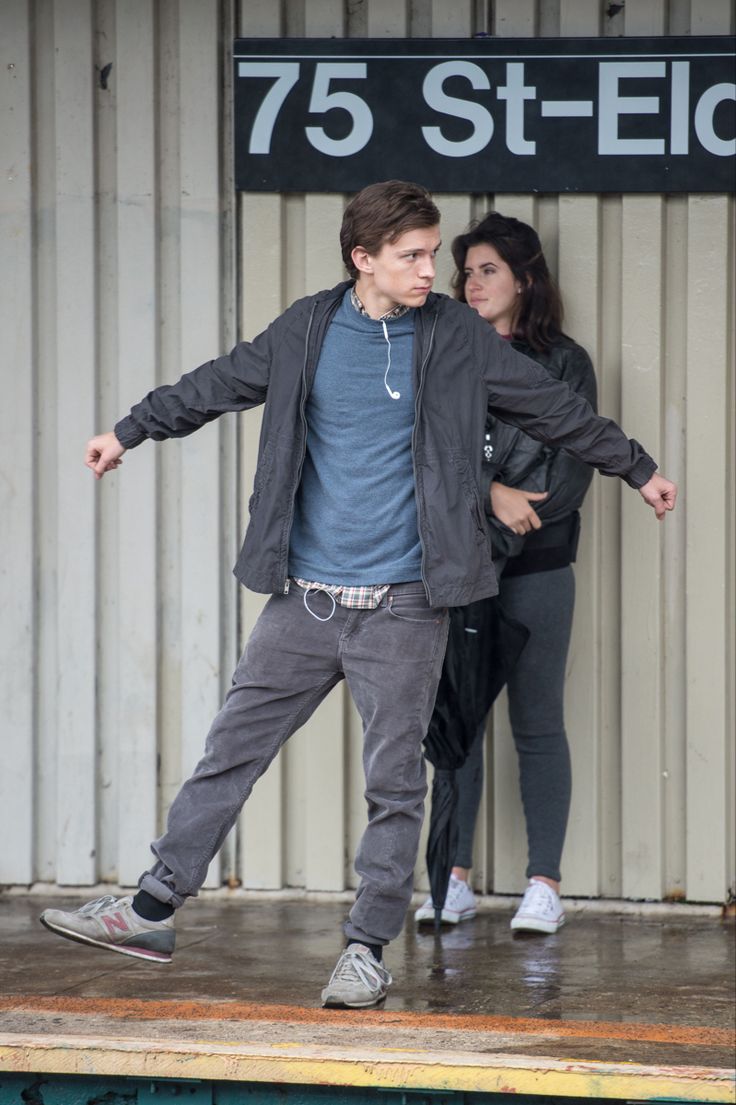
<point>669,135</point>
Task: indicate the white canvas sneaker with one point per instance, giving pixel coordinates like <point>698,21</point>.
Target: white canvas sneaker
<point>460,905</point>
<point>540,910</point>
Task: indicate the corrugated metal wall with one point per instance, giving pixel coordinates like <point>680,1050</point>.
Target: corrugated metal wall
<point>126,260</point>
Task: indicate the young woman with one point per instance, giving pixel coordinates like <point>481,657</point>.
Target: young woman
<point>534,494</point>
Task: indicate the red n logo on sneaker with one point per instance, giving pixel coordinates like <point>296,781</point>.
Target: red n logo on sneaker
<point>114,921</point>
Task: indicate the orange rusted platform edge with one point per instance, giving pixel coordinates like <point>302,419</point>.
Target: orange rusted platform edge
<point>243,1049</point>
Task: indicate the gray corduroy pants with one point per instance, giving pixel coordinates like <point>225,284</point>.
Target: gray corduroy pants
<point>391,658</point>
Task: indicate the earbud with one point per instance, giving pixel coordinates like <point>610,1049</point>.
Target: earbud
<point>393,394</point>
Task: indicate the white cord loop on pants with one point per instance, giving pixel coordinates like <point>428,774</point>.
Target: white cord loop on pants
<point>330,596</point>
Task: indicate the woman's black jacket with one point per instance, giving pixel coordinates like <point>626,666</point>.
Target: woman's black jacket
<point>513,458</point>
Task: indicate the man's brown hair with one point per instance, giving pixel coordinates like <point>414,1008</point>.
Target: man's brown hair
<point>382,213</point>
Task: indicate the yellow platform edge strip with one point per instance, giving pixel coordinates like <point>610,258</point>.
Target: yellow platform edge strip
<point>379,1068</point>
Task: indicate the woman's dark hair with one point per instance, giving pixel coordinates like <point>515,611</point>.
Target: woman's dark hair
<point>382,213</point>
<point>539,319</point>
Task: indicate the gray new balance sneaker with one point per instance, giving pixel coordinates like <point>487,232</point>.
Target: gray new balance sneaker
<point>112,923</point>
<point>358,980</point>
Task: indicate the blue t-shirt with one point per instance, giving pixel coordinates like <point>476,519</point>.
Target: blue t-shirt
<point>355,519</point>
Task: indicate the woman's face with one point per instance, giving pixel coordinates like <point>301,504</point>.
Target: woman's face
<point>491,288</point>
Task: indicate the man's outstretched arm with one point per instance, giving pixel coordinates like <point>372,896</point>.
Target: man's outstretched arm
<point>524,394</point>
<point>234,382</point>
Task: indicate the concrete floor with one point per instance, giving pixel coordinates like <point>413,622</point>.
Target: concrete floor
<point>657,992</point>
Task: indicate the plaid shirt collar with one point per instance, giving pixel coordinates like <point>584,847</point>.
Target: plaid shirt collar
<point>396,312</point>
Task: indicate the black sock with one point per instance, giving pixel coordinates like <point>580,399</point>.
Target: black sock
<point>376,949</point>
<point>150,908</point>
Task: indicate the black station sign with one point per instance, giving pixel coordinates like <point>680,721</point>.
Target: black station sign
<point>486,114</point>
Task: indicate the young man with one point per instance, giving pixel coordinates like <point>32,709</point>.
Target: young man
<point>365,525</point>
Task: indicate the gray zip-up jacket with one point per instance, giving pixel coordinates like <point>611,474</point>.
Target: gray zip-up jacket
<point>460,365</point>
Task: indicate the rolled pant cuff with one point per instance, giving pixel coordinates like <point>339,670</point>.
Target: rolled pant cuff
<point>160,891</point>
<point>354,933</point>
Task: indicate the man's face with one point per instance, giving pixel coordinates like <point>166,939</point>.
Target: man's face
<point>403,271</point>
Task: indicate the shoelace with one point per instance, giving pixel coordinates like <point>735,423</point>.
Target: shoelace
<point>355,964</point>
<point>454,892</point>
<point>540,898</point>
<point>454,889</point>
<point>98,904</point>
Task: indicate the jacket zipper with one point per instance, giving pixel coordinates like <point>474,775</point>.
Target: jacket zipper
<point>417,401</point>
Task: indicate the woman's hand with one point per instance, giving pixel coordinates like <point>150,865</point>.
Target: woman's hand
<point>512,506</point>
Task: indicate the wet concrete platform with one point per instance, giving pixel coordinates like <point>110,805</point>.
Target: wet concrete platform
<point>613,1006</point>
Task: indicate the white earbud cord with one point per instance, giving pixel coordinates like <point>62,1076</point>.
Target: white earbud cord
<point>393,394</point>
<point>309,609</point>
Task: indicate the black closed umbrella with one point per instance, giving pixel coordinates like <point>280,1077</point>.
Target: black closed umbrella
<point>483,645</point>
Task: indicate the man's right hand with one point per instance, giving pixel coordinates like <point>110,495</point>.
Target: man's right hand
<point>103,454</point>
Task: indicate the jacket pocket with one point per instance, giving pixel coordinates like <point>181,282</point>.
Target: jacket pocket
<point>413,608</point>
<point>263,472</point>
<point>469,488</point>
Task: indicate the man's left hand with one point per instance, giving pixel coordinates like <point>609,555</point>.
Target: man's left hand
<point>660,494</point>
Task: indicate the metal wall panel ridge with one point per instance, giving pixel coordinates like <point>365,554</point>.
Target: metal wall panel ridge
<point>17,462</point>
<point>76,536</point>
<point>128,258</point>
<point>137,303</point>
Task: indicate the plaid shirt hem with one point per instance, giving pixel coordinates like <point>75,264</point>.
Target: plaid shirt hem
<point>367,597</point>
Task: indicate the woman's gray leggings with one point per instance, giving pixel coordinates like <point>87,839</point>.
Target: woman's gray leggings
<point>544,602</point>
